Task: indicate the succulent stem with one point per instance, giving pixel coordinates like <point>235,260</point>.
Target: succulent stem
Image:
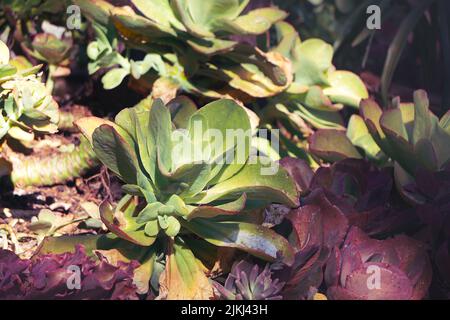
<point>67,118</point>
<point>51,170</point>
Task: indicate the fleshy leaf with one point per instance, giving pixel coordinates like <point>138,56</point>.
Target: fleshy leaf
<point>332,145</point>
<point>183,278</point>
<point>257,240</point>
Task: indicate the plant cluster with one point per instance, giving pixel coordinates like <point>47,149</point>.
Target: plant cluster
<point>47,277</point>
<point>344,199</point>
<point>25,104</point>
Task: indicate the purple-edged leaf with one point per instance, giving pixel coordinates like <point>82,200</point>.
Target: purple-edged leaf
<point>332,145</point>
<point>121,223</point>
<point>257,240</point>
<point>65,244</point>
<point>300,171</point>
<point>230,208</point>
<point>371,112</point>
<point>335,224</point>
<point>393,125</point>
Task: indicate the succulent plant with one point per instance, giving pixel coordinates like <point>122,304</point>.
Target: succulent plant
<point>318,91</point>
<point>366,195</point>
<point>181,180</point>
<point>315,228</point>
<point>46,277</point>
<point>44,37</point>
<point>409,134</point>
<point>193,52</point>
<point>25,103</point>
<point>365,269</point>
<point>203,27</point>
<point>249,282</point>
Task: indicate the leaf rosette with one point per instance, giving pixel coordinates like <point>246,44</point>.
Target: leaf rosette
<point>189,174</point>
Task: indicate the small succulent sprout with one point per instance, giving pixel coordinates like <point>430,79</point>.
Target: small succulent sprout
<point>189,178</point>
<point>25,103</point>
<point>250,282</point>
<point>318,91</point>
<point>367,269</point>
<point>47,47</point>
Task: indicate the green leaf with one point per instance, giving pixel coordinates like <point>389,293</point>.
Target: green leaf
<point>311,60</point>
<point>230,208</point>
<point>359,135</point>
<point>113,78</point>
<point>87,126</point>
<point>67,243</point>
<point>173,226</point>
<point>181,109</point>
<point>152,228</point>
<point>288,39</point>
<point>260,179</point>
<point>160,135</point>
<point>149,213</point>
<point>317,118</point>
<point>423,120</point>
<point>254,239</point>
<point>393,123</point>
<point>254,22</point>
<point>232,125</point>
<point>346,88</point>
<point>115,153</point>
<point>160,12</point>
<point>98,10</point>
<point>315,98</point>
<point>183,278</point>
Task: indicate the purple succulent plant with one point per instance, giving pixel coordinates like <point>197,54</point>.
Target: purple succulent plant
<point>365,194</point>
<point>47,277</point>
<point>317,227</point>
<point>248,282</point>
<point>367,269</point>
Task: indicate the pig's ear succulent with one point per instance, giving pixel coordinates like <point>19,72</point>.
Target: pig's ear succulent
<point>250,282</point>
<point>196,179</point>
<point>25,104</point>
<point>318,91</point>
